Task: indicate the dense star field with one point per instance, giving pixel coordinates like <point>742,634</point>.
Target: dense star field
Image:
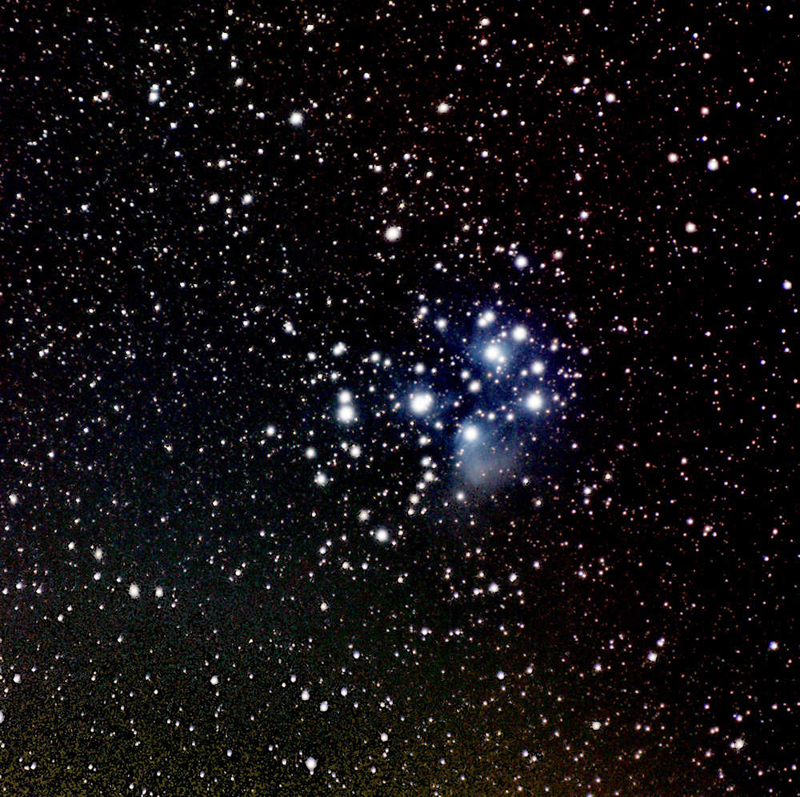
<point>399,399</point>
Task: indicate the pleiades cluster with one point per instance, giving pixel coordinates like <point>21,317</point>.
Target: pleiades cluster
<point>399,399</point>
<point>479,394</point>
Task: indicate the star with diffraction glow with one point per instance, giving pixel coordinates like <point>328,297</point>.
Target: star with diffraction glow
<point>421,403</point>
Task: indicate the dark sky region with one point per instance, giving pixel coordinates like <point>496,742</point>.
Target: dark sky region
<point>399,399</point>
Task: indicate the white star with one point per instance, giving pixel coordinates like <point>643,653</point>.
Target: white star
<point>493,353</point>
<point>382,535</point>
<point>421,403</point>
<point>519,333</point>
<point>534,401</point>
<point>346,413</point>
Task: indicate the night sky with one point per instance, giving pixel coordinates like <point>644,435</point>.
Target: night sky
<point>399,399</point>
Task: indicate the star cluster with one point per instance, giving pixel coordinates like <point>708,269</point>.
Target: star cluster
<point>399,400</point>
<point>476,396</point>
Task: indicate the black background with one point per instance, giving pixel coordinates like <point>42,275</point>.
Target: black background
<point>124,294</point>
